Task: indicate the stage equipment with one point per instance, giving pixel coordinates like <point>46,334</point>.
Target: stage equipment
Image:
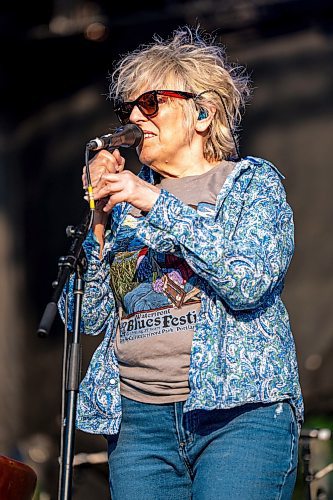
<point>74,263</point>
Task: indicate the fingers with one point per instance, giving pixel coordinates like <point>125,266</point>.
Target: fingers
<point>109,185</point>
<point>109,191</point>
<point>112,201</point>
<point>84,178</point>
<point>114,188</point>
<point>103,162</point>
<point>125,187</point>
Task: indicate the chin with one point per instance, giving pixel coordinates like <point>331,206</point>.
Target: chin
<point>145,159</point>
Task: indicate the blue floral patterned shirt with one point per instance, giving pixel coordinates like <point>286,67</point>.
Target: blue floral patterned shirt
<point>243,350</point>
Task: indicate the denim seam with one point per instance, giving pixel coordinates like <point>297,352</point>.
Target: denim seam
<point>182,442</point>
<point>178,430</point>
<point>293,440</point>
<point>189,428</point>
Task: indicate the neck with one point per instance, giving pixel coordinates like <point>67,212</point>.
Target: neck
<point>176,170</point>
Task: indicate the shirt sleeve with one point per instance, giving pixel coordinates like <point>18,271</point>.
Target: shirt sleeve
<point>97,302</point>
<point>245,265</point>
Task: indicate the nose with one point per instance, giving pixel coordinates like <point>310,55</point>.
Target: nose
<point>136,115</point>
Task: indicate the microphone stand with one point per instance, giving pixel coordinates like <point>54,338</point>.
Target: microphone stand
<point>128,136</point>
<point>75,261</point>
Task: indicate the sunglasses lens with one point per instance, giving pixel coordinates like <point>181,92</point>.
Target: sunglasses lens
<point>148,103</point>
<point>123,112</point>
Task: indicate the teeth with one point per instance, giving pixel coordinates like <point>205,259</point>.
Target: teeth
<point>147,134</point>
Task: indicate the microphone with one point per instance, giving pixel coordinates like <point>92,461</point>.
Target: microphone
<point>321,434</point>
<point>128,136</point>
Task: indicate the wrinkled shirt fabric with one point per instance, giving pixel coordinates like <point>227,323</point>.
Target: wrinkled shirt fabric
<point>243,350</point>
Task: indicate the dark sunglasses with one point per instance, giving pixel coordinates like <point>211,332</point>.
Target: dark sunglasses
<point>147,103</point>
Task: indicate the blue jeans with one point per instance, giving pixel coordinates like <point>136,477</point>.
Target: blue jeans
<point>245,453</point>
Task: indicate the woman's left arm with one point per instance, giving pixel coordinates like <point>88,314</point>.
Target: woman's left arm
<point>244,267</point>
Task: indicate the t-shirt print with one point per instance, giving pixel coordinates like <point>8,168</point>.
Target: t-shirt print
<point>152,289</point>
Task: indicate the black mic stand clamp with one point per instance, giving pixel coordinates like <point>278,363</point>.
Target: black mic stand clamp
<point>74,262</point>
<point>66,266</point>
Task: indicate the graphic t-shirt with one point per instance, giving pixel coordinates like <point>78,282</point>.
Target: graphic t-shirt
<point>158,296</point>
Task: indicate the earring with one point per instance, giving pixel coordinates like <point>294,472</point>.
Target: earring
<point>203,113</point>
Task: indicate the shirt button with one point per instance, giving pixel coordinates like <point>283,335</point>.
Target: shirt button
<point>112,381</point>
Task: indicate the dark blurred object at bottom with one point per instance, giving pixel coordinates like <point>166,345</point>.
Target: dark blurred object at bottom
<point>17,480</point>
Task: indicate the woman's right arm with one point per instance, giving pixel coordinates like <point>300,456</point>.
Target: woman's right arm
<point>97,301</point>
<point>98,304</point>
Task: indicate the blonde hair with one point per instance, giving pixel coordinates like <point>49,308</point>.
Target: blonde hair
<point>191,61</point>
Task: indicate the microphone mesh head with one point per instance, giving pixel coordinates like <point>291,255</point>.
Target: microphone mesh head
<point>133,135</point>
